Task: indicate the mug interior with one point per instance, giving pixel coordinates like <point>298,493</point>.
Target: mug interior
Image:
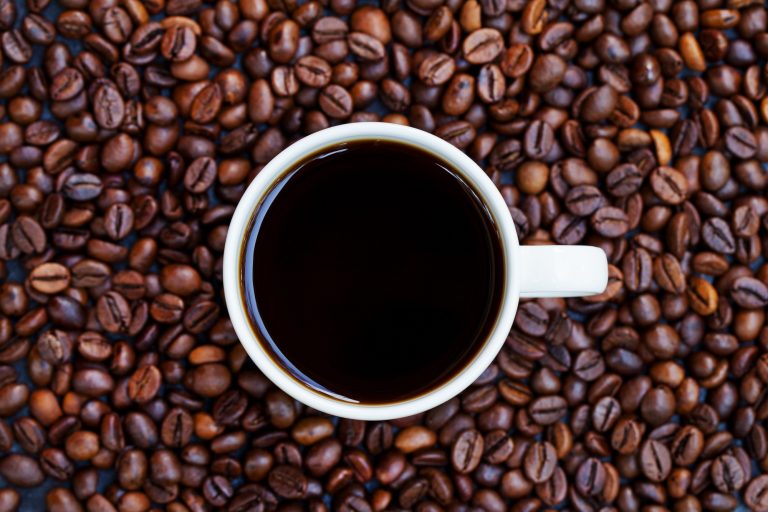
<point>271,176</point>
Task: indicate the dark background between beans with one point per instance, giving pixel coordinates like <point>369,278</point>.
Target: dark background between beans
<point>639,127</point>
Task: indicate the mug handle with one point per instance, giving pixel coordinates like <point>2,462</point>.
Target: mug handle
<point>562,271</point>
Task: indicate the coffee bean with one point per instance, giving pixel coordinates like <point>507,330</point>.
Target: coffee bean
<point>436,69</point>
<point>668,273</point>
<point>113,312</point>
<point>394,95</point>
<point>21,470</point>
<point>740,142</point>
<point>517,60</point>
<point>288,482</point>
<point>727,474</point>
<point>176,428</point>
<point>118,221</point>
<point>200,175</point>
<point>590,477</point>
<point>717,235</point>
<point>207,104</point>
<point>546,72</point>
<point>459,133</point>
<point>27,235</point>
<point>589,365</point>
<point>201,316</point>
<point>178,43</point>
<point>598,104</point>
<point>55,464</point>
<point>623,180</point>
<point>532,319</point>
<point>655,460</point>
<point>547,410</point>
<point>313,71</point>
<point>538,140</point>
<point>29,434</point>
<point>284,83</point>
<point>749,292</point>
<point>209,380</point>
<point>482,45</point>
<point>627,435</point>
<point>66,84</point>
<point>467,450</point>
<point>568,229</point>
<point>584,200</point>
<point>50,278</point>
<point>335,101</point>
<point>637,269</point>
<point>610,222</point>
<point>756,496</point>
<point>144,384</point>
<point>669,185</point>
<point>82,445</point>
<point>540,462</point>
<point>109,107</point>
<point>82,187</point>
<point>366,47</point>
<point>605,413</point>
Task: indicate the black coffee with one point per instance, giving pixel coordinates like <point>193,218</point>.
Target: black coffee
<point>373,272</point>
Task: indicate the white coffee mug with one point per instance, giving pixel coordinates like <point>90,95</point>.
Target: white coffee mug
<point>533,271</point>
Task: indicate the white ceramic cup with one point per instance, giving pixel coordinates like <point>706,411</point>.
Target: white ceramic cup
<point>532,271</point>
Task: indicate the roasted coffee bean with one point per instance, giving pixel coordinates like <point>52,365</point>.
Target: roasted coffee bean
<point>118,221</point>
<point>144,384</point>
<point>517,60</point>
<point>547,410</point>
<point>669,185</point>
<point>200,175</point>
<point>538,140</point>
<point>717,235</point>
<point>623,180</point>
<point>113,312</point>
<point>335,101</point>
<point>313,71</point>
<point>82,187</point>
<point>176,429</point>
<point>532,319</point>
<point>740,141</point>
<point>540,462</point>
<point>365,46</point>
<point>467,451</point>
<point>655,460</point>
<point>568,229</point>
<point>610,222</point>
<point>436,69</point>
<point>49,278</point>
<point>482,45</point>
<point>749,292</point>
<point>590,477</point>
<point>109,107</point>
<point>27,235</point>
<point>756,496</point>
<point>728,474</point>
<point>288,482</point>
<point>669,274</point>
<point>584,200</point>
<point>21,470</point>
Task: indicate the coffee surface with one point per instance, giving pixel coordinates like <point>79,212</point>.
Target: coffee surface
<point>373,272</point>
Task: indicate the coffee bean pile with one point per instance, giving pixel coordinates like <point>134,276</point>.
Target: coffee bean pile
<point>129,129</point>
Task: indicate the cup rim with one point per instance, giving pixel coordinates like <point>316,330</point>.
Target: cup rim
<point>270,175</point>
